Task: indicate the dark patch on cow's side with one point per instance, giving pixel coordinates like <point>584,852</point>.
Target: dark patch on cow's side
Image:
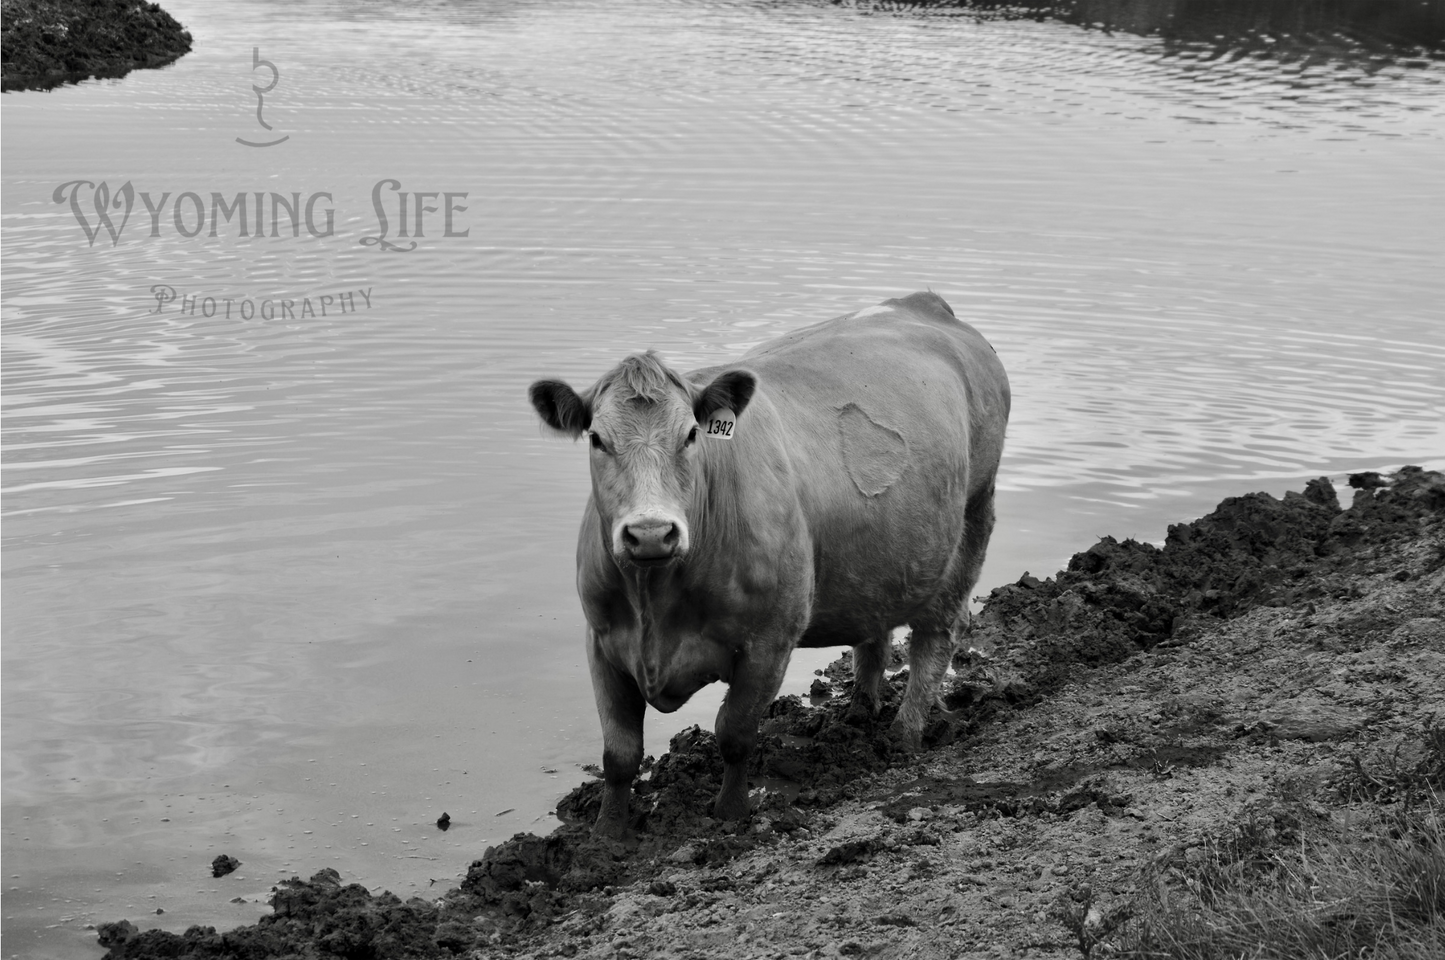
<point>875,455</point>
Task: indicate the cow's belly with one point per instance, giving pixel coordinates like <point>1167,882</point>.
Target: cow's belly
<point>856,603</point>
<point>878,561</point>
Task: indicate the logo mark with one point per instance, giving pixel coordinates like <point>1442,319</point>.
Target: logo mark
<point>104,204</point>
<point>256,64</point>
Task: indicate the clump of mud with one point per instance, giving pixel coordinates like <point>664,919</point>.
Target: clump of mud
<point>50,42</point>
<point>1114,600</point>
<point>320,916</point>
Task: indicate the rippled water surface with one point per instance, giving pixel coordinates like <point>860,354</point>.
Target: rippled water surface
<point>289,588</point>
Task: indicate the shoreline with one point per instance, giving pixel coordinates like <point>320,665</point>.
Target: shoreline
<point>1113,738</point>
<point>49,43</point>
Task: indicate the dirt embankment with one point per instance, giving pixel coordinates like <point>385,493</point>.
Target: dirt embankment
<point>1127,732</point>
<point>50,42</point>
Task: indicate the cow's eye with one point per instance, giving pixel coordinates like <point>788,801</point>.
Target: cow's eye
<point>691,437</point>
<point>596,441</point>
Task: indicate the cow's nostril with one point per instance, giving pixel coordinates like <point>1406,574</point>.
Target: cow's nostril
<point>651,539</point>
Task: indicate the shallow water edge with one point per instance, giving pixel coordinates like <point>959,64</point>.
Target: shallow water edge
<point>1302,569</point>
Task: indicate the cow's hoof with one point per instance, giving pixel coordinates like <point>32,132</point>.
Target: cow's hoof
<point>905,740</point>
<point>730,808</point>
<point>861,713</point>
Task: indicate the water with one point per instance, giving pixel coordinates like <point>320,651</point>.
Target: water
<point>289,588</point>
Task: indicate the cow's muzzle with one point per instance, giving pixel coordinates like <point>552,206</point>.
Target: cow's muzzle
<point>650,541</point>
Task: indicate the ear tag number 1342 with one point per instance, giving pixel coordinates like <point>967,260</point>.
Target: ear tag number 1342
<point>719,425</point>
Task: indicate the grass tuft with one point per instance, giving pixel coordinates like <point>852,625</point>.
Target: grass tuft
<point>1332,895</point>
<point>1411,772</point>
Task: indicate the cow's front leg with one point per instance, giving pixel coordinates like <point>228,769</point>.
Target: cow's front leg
<point>620,706</point>
<point>756,678</point>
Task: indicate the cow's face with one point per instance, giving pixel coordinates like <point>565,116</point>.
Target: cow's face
<point>641,423</point>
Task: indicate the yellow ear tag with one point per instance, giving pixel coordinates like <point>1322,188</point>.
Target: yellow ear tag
<point>719,424</point>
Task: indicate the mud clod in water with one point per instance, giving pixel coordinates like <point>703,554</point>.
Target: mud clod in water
<point>116,934</point>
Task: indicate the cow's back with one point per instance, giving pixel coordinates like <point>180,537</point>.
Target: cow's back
<point>892,419</point>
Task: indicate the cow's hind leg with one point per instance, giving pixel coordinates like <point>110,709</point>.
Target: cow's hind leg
<point>753,686</point>
<point>869,659</point>
<point>932,645</point>
<point>620,706</point>
<point>929,651</point>
<point>978,527</point>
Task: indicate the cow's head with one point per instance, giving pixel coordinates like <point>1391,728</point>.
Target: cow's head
<point>641,422</point>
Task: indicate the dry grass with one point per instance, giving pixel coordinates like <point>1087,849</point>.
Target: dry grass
<point>1374,890</point>
<point>1292,882</point>
<point>1410,776</point>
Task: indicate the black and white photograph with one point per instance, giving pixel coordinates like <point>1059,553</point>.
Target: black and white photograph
<point>722,479</point>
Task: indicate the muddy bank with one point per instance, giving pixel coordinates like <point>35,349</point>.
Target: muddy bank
<point>51,42</point>
<point>1275,664</point>
<point>1349,30</point>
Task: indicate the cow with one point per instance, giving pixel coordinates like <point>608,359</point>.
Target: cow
<point>829,486</point>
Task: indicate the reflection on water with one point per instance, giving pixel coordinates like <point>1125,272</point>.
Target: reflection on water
<point>1282,58</point>
<point>1315,29</point>
<point>288,588</point>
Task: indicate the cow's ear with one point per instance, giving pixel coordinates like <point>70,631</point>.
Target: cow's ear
<point>730,390</point>
<point>559,407</point>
